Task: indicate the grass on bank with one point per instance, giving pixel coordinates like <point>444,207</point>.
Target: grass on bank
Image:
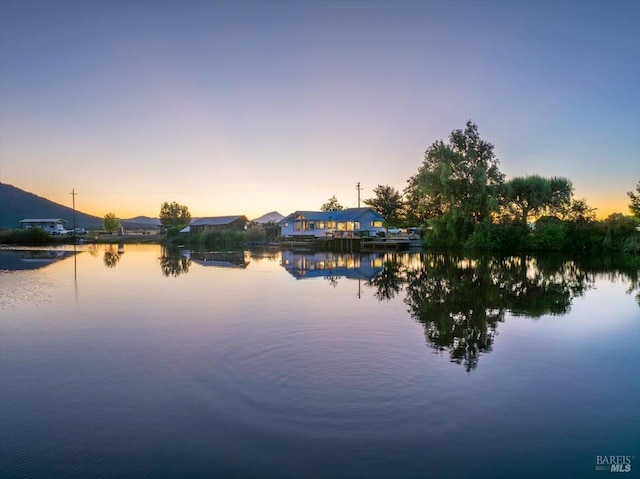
<point>220,240</point>
<point>39,237</point>
<point>34,236</point>
<point>618,233</point>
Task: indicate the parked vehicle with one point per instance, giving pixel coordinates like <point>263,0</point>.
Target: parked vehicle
<point>78,232</point>
<point>59,230</point>
<point>414,231</point>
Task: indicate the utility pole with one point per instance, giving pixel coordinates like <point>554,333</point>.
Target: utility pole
<point>73,195</point>
<point>359,189</point>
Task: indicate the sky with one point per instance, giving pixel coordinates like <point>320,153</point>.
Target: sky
<point>242,108</point>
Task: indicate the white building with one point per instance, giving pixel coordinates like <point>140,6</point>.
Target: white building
<point>50,225</point>
<point>349,222</point>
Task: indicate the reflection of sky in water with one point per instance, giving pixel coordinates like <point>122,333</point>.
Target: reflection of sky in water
<point>15,260</point>
<point>21,283</point>
<point>306,375</point>
<point>21,288</point>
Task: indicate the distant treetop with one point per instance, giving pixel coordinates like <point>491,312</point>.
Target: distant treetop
<point>174,214</point>
<point>332,205</point>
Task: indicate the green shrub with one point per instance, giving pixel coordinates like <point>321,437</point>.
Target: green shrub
<point>33,236</point>
<point>255,236</point>
<point>621,233</point>
<point>220,240</point>
<point>448,232</point>
<point>585,237</point>
<point>505,236</point>
<point>173,234</point>
<point>549,234</point>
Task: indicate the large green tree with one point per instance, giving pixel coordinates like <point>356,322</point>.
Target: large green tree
<point>532,195</point>
<point>332,205</point>
<point>459,182</point>
<point>579,211</point>
<point>387,202</point>
<point>561,194</point>
<point>110,223</point>
<point>416,208</point>
<point>174,215</point>
<point>634,206</point>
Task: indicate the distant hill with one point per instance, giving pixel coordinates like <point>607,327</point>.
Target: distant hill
<point>142,220</point>
<point>272,217</point>
<point>17,204</point>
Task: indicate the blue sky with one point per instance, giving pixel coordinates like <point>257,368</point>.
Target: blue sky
<point>249,107</point>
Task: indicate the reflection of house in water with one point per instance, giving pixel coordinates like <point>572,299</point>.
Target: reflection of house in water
<point>221,260</point>
<point>31,259</point>
<point>327,264</point>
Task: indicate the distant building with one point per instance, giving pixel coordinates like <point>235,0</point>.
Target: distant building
<point>50,225</point>
<point>218,223</point>
<point>272,217</point>
<point>349,222</point>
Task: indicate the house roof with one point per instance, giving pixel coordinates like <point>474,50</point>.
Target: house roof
<point>350,214</point>
<point>217,220</point>
<point>44,220</point>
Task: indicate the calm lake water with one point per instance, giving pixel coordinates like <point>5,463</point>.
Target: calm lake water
<point>142,362</point>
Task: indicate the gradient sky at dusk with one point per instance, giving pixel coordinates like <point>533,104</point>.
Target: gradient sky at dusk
<point>248,107</point>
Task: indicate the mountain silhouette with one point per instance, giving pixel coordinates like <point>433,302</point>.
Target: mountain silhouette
<point>17,204</point>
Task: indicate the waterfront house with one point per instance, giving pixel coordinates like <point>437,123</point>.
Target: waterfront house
<point>219,223</point>
<point>50,225</point>
<point>319,224</point>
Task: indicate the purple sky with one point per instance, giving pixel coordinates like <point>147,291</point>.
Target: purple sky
<point>245,108</point>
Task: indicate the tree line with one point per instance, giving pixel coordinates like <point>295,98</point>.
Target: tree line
<point>462,199</point>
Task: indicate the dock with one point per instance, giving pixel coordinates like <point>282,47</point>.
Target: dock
<point>350,244</point>
<point>386,244</point>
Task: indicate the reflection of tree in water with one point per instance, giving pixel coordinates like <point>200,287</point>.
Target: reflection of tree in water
<point>111,257</point>
<point>458,304</point>
<point>333,280</point>
<point>618,267</point>
<point>460,301</point>
<point>537,287</point>
<point>173,263</point>
<point>388,282</point>
<point>271,256</point>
